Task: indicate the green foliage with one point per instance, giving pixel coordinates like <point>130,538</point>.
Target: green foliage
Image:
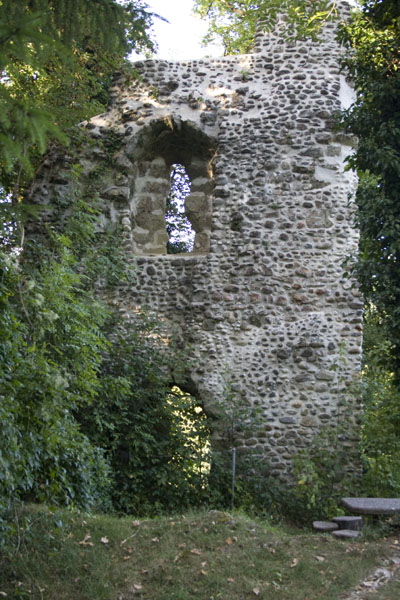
<point>239,477</point>
<point>381,426</point>
<point>330,467</point>
<point>372,40</point>
<point>88,406</point>
<point>321,477</point>
<point>56,59</point>
<point>86,403</point>
<point>50,345</point>
<point>234,23</point>
<point>235,417</point>
<point>153,436</point>
<point>179,229</point>
<point>256,492</point>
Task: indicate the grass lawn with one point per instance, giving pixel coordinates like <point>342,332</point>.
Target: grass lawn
<point>204,555</point>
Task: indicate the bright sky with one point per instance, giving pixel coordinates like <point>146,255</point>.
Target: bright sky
<point>181,37</point>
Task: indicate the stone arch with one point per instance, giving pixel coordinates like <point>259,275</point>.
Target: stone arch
<point>161,144</point>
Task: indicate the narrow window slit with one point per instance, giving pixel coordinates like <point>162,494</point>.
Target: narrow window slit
<point>179,228</point>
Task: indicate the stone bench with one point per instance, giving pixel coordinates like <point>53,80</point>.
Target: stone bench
<point>340,527</point>
<point>372,506</point>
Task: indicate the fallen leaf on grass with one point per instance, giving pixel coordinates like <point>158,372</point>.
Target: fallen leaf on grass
<point>136,523</point>
<point>203,572</point>
<point>294,563</point>
<point>126,539</point>
<point>3,594</point>
<point>320,558</point>
<point>155,540</point>
<point>195,551</point>
<point>230,541</point>
<point>85,542</point>
<point>137,586</point>
<point>105,540</point>
<point>231,580</point>
<point>256,591</point>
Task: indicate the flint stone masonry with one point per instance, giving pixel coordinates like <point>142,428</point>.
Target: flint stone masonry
<point>261,302</point>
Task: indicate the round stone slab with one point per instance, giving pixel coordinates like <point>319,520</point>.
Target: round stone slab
<point>346,533</point>
<point>372,506</point>
<point>325,526</point>
<point>348,522</point>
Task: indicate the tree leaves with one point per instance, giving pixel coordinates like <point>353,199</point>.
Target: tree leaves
<point>372,39</point>
<point>56,59</point>
<point>234,23</point>
<point>179,229</point>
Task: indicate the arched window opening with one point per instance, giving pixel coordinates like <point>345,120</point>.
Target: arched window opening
<point>173,182</point>
<point>179,228</point>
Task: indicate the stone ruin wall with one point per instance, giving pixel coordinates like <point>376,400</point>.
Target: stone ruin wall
<point>260,302</point>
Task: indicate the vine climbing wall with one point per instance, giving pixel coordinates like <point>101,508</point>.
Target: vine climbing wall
<point>260,303</point>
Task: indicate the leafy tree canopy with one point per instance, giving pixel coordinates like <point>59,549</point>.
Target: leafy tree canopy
<point>179,229</point>
<point>372,40</point>
<point>234,22</point>
<point>56,60</point>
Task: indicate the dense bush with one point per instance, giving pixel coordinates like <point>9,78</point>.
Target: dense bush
<point>50,349</point>
<point>381,424</point>
<point>153,436</point>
